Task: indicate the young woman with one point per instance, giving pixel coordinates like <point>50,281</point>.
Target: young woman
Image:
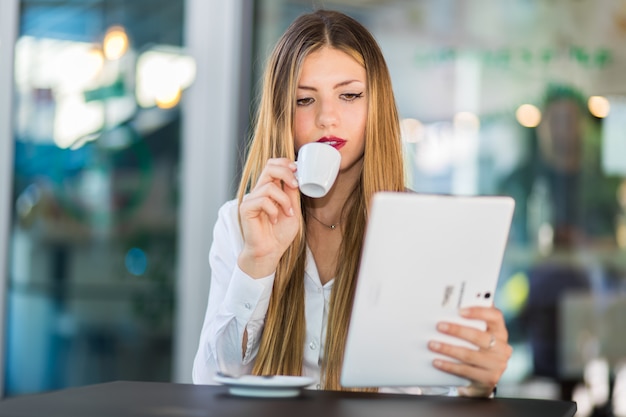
<point>283,264</point>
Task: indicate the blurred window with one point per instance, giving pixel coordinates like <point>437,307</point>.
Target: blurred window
<point>527,99</point>
<point>95,195</point>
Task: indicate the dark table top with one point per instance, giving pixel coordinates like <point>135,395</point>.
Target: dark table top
<point>122,399</point>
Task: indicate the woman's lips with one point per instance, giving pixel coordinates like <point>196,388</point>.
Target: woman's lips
<point>336,143</point>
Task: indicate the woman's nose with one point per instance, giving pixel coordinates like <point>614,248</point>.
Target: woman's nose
<point>327,114</point>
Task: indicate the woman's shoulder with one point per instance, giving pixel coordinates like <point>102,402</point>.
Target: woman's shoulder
<point>228,215</point>
<point>229,210</point>
<point>227,223</point>
<point>230,205</point>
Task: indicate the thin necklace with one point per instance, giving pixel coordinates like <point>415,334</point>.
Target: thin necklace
<point>332,226</point>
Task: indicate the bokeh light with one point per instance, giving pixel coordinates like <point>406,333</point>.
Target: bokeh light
<point>168,96</point>
<point>136,261</point>
<point>599,106</point>
<point>466,121</point>
<point>115,43</point>
<point>528,115</point>
<point>162,75</point>
<point>412,130</point>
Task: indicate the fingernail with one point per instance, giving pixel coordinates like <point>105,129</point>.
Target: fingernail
<point>294,183</point>
<point>291,211</point>
<point>434,345</point>
<point>465,312</point>
<point>437,363</point>
<point>293,165</point>
<point>443,326</point>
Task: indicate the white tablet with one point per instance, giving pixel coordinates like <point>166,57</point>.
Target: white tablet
<point>424,258</point>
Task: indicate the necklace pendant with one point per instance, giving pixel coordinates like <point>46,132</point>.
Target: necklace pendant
<point>330,226</point>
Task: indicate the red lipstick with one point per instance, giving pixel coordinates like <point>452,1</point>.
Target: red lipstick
<point>333,141</point>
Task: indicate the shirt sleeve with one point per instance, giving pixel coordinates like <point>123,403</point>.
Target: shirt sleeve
<point>236,303</point>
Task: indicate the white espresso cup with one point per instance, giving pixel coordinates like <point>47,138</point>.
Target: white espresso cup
<point>318,165</point>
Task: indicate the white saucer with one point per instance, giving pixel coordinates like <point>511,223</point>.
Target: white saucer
<point>279,386</point>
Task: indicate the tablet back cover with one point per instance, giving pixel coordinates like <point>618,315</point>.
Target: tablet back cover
<point>424,258</point>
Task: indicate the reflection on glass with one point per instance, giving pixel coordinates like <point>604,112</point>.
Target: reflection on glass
<point>93,242</point>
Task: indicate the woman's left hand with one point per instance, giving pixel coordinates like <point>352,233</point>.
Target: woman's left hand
<point>483,366</point>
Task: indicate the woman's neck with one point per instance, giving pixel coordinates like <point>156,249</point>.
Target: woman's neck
<point>328,209</point>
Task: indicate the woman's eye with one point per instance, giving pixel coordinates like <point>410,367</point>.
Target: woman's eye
<point>351,96</point>
<point>304,101</point>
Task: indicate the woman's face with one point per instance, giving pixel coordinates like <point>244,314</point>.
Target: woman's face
<point>332,104</point>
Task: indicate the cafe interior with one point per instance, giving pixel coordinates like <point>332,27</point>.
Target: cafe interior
<point>124,124</point>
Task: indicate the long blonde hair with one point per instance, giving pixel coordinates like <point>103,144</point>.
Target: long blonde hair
<point>282,345</point>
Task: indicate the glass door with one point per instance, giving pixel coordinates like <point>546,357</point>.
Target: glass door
<point>95,192</point>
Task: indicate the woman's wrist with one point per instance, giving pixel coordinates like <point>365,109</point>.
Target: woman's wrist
<point>256,267</point>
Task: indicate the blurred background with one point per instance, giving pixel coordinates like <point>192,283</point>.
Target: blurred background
<point>122,129</point>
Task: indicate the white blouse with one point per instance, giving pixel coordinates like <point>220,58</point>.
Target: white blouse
<point>238,302</point>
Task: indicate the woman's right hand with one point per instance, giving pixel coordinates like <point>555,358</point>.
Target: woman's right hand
<point>270,218</point>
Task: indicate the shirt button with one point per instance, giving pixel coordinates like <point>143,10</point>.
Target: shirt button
<point>318,386</point>
<point>312,346</point>
<point>247,306</point>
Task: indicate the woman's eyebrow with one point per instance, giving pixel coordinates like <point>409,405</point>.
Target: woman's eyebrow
<point>344,83</point>
<point>340,84</point>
